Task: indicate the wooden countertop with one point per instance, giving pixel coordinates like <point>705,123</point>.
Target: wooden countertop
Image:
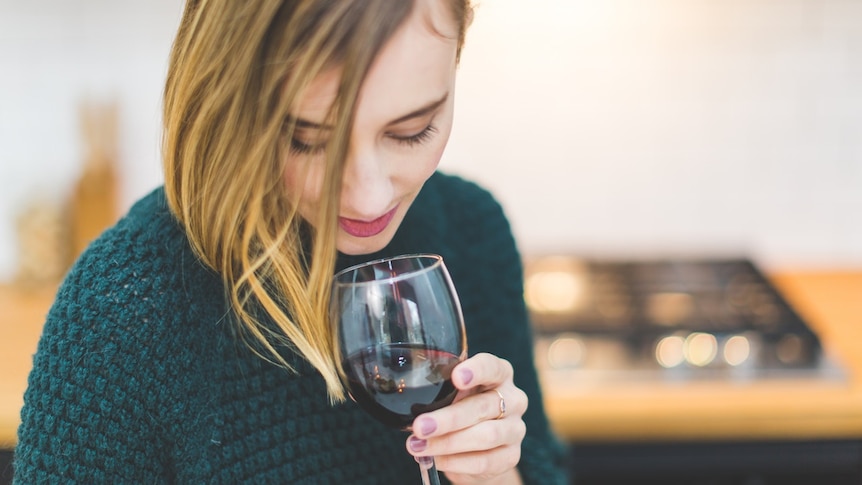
<point>830,301</point>
<point>22,313</point>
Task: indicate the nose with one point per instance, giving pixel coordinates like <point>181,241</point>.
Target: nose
<point>367,191</point>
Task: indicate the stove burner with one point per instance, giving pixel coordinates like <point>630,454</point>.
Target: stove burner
<point>681,318</point>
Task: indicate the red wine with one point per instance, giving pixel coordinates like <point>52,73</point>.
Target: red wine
<point>397,382</point>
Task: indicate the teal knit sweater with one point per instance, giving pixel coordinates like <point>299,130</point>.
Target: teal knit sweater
<point>139,378</point>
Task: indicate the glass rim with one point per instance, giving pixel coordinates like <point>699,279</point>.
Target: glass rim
<point>438,261</point>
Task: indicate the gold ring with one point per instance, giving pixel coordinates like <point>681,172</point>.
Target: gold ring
<point>502,405</point>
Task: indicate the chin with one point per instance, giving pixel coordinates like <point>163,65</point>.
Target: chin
<point>355,246</point>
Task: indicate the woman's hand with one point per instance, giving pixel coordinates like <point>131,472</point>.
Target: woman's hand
<point>476,439</point>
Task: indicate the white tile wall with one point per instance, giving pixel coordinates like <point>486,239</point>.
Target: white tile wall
<point>53,54</point>
<point>670,126</point>
<point>604,126</point>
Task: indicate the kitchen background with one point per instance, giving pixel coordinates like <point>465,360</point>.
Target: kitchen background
<point>613,127</point>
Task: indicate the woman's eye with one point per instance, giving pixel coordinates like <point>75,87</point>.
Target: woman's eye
<point>300,147</point>
<point>411,140</point>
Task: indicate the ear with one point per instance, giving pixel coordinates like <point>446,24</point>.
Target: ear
<point>470,14</point>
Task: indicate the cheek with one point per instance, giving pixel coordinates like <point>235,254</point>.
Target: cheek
<point>434,159</point>
<point>436,151</point>
<point>302,183</point>
<point>428,159</point>
<point>415,169</point>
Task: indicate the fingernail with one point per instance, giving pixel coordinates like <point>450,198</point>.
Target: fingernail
<point>417,444</point>
<point>427,426</point>
<point>425,461</point>
<point>466,376</point>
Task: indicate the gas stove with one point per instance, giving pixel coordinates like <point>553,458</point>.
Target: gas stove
<point>668,319</point>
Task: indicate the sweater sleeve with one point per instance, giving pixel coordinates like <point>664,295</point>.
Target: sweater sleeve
<point>88,414</point>
<point>489,279</point>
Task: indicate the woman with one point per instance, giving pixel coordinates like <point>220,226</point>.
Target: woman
<point>190,342</point>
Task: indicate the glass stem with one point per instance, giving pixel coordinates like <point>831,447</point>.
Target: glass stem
<point>429,473</point>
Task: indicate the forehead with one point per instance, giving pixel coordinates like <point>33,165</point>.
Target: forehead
<point>415,66</point>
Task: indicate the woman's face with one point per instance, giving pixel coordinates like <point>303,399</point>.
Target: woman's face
<point>402,123</point>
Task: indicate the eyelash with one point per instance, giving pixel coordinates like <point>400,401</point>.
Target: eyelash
<point>418,138</point>
<point>300,148</point>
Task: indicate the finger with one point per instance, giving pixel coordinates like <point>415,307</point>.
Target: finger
<point>480,466</point>
<point>482,370</point>
<point>471,410</point>
<point>487,435</point>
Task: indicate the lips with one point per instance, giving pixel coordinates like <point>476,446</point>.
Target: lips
<point>359,228</point>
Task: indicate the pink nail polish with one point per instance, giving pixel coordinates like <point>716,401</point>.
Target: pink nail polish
<point>417,444</point>
<point>466,376</point>
<point>427,426</point>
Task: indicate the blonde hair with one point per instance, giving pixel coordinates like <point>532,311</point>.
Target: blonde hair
<point>235,68</point>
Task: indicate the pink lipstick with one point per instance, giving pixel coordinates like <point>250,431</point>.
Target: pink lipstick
<point>359,228</point>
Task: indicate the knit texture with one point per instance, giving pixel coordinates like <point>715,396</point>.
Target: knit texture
<point>138,377</point>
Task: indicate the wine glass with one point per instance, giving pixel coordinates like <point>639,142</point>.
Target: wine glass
<point>400,333</point>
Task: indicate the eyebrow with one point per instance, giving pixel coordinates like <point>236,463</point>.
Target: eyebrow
<point>424,110</point>
<point>428,108</point>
